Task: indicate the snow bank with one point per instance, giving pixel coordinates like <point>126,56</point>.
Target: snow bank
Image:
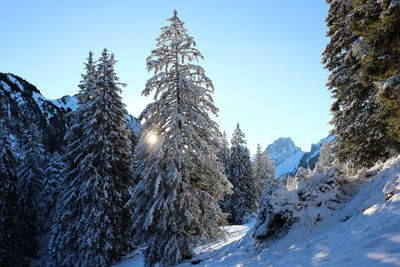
<point>365,232</point>
<point>307,198</point>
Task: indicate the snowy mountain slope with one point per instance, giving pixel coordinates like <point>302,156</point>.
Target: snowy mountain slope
<point>366,232</point>
<point>23,106</point>
<point>66,103</point>
<point>290,165</point>
<point>286,156</point>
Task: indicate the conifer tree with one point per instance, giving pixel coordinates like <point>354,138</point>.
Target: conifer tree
<point>325,157</point>
<point>263,169</point>
<point>377,23</point>
<point>9,234</point>
<point>30,183</point>
<point>361,135</point>
<point>92,226</point>
<point>224,157</point>
<point>181,178</point>
<point>48,200</point>
<point>224,153</point>
<point>243,201</point>
<point>62,235</point>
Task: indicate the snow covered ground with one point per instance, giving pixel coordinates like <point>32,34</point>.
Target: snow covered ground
<point>234,233</point>
<point>366,232</point>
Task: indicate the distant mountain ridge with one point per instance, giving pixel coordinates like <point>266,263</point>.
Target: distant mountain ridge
<point>22,107</point>
<point>288,157</point>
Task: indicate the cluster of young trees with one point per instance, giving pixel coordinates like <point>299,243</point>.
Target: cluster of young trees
<point>248,177</point>
<point>362,57</point>
<point>22,175</point>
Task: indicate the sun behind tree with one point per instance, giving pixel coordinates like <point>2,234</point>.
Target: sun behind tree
<point>176,200</point>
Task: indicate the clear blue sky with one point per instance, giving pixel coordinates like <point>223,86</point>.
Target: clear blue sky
<point>262,55</point>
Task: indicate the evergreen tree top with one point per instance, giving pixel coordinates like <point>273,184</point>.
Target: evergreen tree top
<point>258,149</point>
<point>174,48</point>
<point>88,82</point>
<point>238,137</point>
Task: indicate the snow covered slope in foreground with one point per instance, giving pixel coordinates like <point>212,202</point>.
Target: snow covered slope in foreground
<point>366,232</point>
<point>233,233</point>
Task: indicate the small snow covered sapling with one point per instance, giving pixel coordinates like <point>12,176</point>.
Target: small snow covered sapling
<point>306,198</point>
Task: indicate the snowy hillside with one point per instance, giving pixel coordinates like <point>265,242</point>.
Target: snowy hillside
<point>66,103</point>
<point>365,232</point>
<point>286,156</point>
<point>25,107</point>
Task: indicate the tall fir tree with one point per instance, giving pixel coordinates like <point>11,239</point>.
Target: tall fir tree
<point>30,183</point>
<point>361,134</point>
<point>244,199</point>
<point>377,23</point>
<point>9,233</point>
<point>63,238</point>
<point>92,226</point>
<point>263,169</point>
<point>182,180</point>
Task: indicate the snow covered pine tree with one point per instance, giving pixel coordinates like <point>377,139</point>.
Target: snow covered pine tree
<point>244,199</point>
<point>325,158</point>
<point>9,241</point>
<point>31,175</point>
<point>224,153</point>
<point>361,134</point>
<point>48,198</point>
<point>73,138</point>
<point>92,226</point>
<point>377,24</point>
<point>263,169</point>
<point>176,200</point>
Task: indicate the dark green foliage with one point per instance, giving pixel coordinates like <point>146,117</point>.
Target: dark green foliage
<point>362,135</point>
<point>378,25</point>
